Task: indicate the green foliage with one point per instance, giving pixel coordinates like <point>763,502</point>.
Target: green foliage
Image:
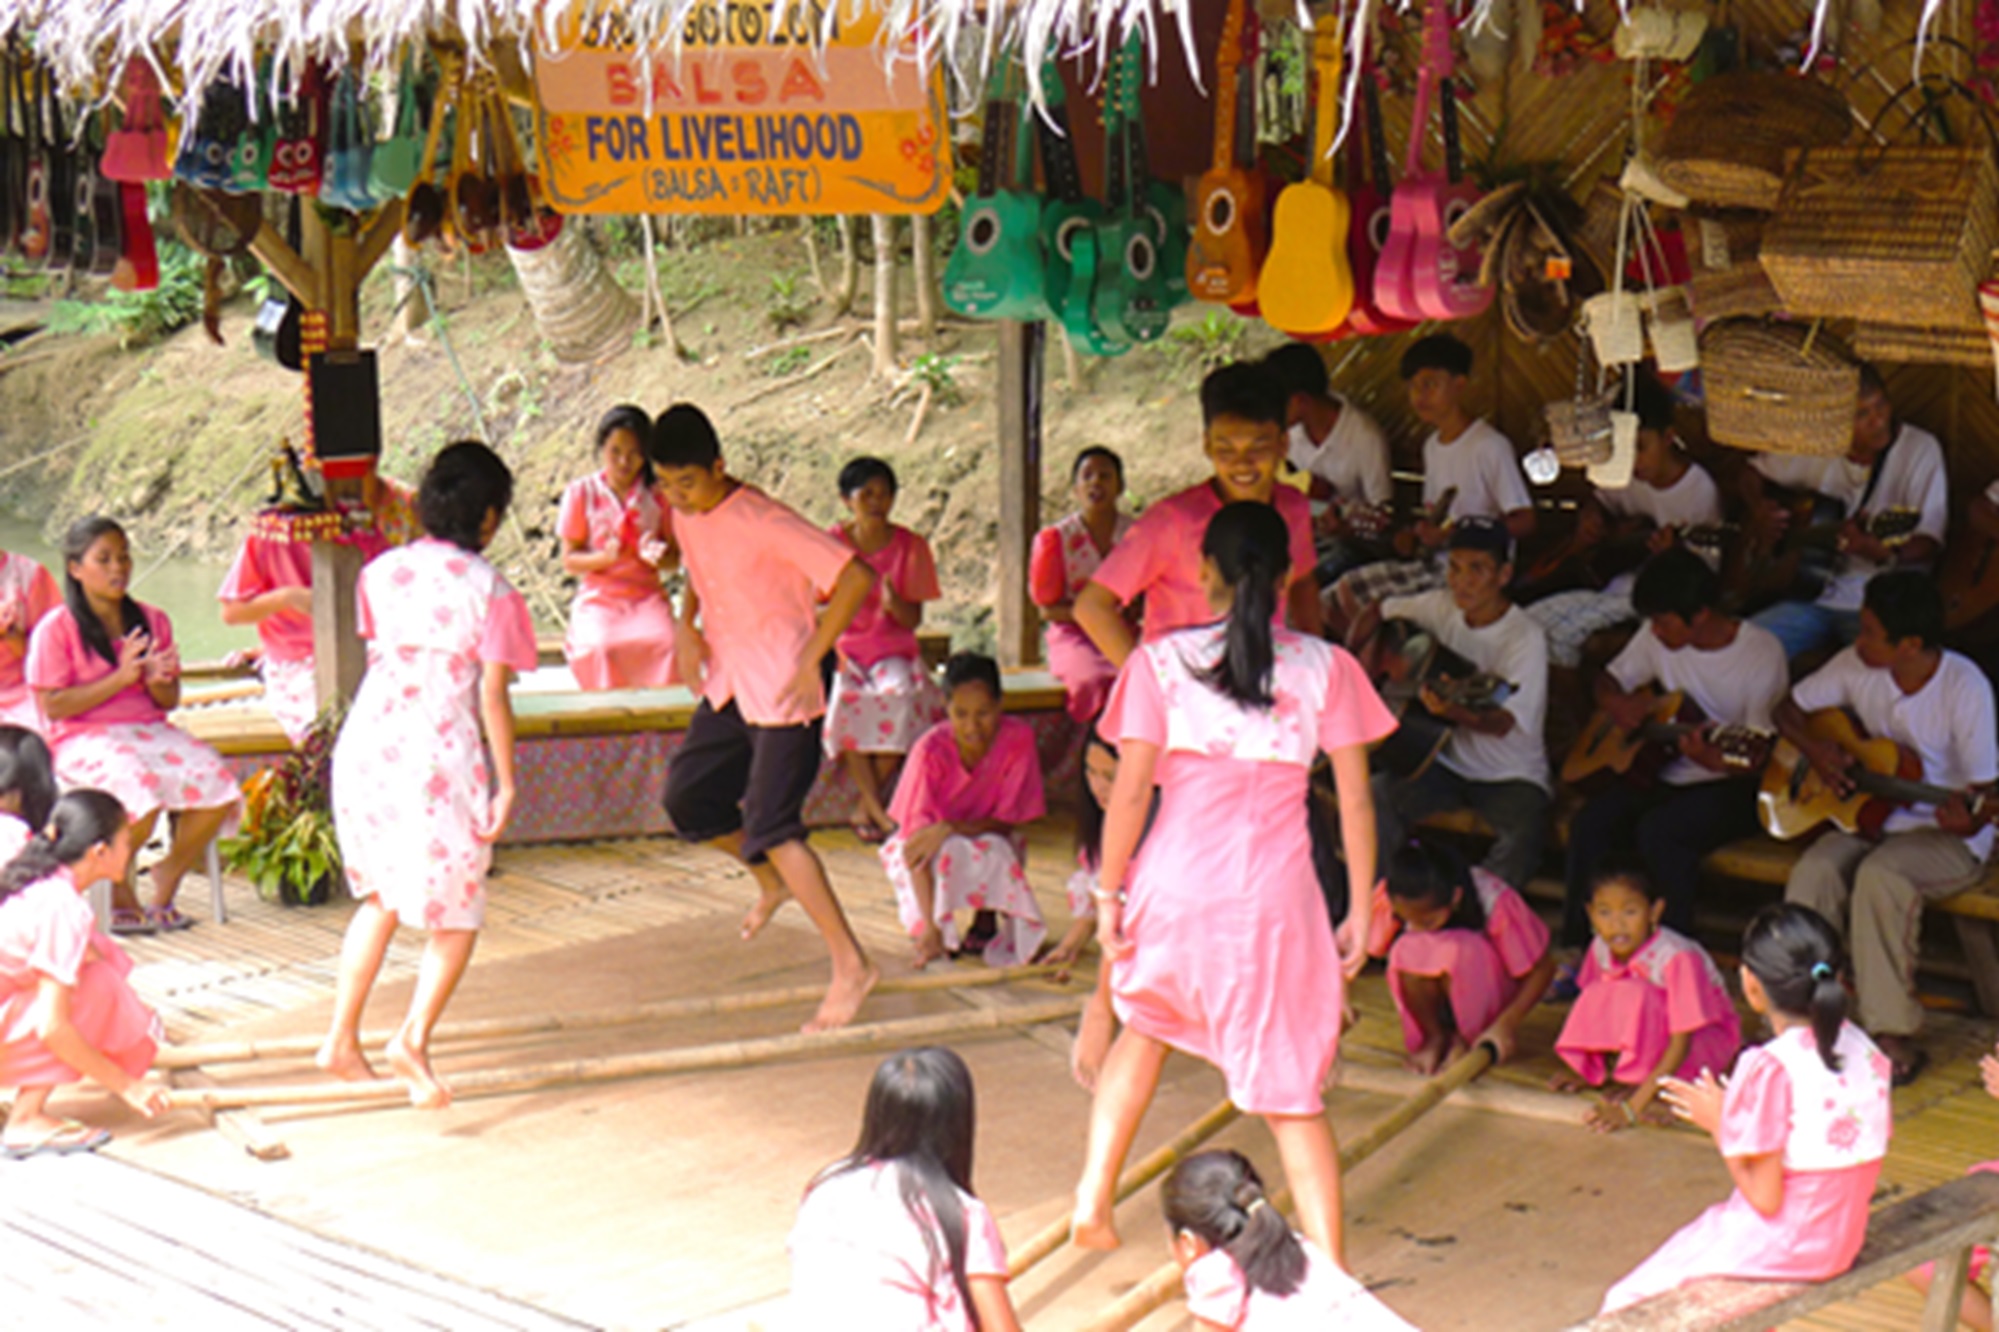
<point>1213,340</point>
<point>287,846</point>
<point>140,317</point>
<point>787,304</point>
<point>938,373</point>
<point>787,362</point>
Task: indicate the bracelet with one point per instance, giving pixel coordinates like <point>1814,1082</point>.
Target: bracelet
<point>1104,895</point>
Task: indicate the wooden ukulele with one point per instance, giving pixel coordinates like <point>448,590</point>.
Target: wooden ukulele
<point>1444,277</point>
<point>1403,659</point>
<point>1306,287</point>
<point>1231,223</point>
<point>1606,750</point>
<point>997,270</point>
<point>37,225</point>
<point>1068,227</point>
<point>1131,299</point>
<point>1886,775</point>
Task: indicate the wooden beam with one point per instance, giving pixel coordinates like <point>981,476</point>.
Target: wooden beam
<point>338,658</point>
<point>1020,358</point>
<point>285,263</point>
<point>382,233</point>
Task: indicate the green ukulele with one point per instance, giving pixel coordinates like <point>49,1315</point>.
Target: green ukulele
<point>1069,227</point>
<point>997,270</point>
<point>1133,298</point>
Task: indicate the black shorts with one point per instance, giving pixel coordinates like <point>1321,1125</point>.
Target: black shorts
<point>730,776</point>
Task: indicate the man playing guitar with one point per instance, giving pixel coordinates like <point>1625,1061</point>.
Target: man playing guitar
<point>1343,453</point>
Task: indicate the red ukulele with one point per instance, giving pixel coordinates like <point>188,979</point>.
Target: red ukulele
<point>1369,187</point>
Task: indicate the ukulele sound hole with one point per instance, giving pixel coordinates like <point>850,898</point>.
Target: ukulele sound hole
<point>1138,257</point>
<point>983,232</point>
<point>1220,213</point>
<point>1065,237</point>
<point>1377,229</point>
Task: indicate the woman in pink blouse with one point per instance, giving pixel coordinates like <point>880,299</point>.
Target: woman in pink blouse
<point>1064,557</point>
<point>617,536</point>
<point>27,593</point>
<point>106,672</point>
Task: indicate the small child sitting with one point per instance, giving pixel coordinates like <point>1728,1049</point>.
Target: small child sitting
<point>1099,771</point>
<point>1246,1270</point>
<point>1472,958</point>
<point>1652,1006</point>
<point>968,785</point>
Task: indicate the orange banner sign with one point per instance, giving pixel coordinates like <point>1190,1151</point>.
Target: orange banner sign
<point>748,117</point>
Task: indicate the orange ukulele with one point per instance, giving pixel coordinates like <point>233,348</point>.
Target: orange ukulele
<point>1306,287</point>
<point>1232,224</point>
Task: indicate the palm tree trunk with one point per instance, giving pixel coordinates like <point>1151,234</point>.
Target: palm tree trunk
<point>885,329</point>
<point>577,304</point>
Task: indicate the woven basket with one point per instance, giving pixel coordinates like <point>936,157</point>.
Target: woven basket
<point>1579,429</point>
<point>1727,143</point>
<point>1924,346</point>
<point>1742,291</point>
<point>1778,388</point>
<point>1720,239</point>
<point>1896,235</point>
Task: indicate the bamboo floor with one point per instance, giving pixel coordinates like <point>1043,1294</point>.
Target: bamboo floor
<point>665,1202</point>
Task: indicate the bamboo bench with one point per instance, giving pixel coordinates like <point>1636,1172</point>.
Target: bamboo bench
<point>1940,1225</point>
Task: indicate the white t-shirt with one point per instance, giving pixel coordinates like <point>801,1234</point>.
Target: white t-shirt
<point>1514,648</point>
<point>1692,501</point>
<point>1737,685</point>
<point>1948,723</point>
<point>1352,459</point>
<point>1481,464</point>
<point>1912,477</point>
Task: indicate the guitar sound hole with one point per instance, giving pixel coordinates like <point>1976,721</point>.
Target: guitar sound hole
<point>1220,212</point>
<point>983,232</point>
<point>1377,229</point>
<point>1065,237</point>
<point>1139,257</point>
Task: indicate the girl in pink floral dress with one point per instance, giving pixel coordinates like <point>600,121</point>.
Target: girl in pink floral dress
<point>414,804</point>
<point>106,672</point>
<point>1064,557</point>
<point>970,783</point>
<point>883,697</point>
<point>1224,949</point>
<point>616,538</point>
<point>27,593</point>
<point>1803,1125</point>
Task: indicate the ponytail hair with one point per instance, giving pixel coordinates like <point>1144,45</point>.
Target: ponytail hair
<point>27,772</point>
<point>1250,547</point>
<point>1795,954</point>
<point>76,543</point>
<point>1219,1197</point>
<point>81,820</point>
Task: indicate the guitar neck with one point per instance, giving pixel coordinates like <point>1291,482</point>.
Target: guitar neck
<point>1426,83</point>
<point>1901,789</point>
<point>1059,173</point>
<point>1228,61</point>
<point>1377,134</point>
<point>1117,145</point>
<point>1244,122</point>
<point>1327,51</point>
<point>1454,164</point>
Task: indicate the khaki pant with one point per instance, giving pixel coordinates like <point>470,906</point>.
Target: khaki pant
<point>1874,894</point>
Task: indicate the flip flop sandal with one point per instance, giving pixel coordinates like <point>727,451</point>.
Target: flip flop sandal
<point>132,920</point>
<point>70,1138</point>
<point>168,918</point>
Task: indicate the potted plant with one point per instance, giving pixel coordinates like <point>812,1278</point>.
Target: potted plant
<point>286,846</point>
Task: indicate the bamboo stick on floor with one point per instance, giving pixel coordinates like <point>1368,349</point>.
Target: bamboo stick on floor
<point>664,1010</point>
<point>604,1068</point>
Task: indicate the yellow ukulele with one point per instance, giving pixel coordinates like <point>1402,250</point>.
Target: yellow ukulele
<point>1306,287</point>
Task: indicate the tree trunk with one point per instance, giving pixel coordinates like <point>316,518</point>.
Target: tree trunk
<point>850,269</point>
<point>413,308</point>
<point>577,304</point>
<point>924,267</point>
<point>885,330</point>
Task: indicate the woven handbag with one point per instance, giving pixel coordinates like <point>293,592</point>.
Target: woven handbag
<point>1727,143</point>
<point>1781,388</point>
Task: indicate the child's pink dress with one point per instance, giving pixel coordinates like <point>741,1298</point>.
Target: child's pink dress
<point>46,929</point>
<point>621,624</point>
<point>410,782</point>
<point>1326,1300</point>
<point>883,697</point>
<point>1833,1131</point>
<point>859,1258</point>
<point>1484,969</point>
<point>27,593</point>
<point>971,873</point>
<point>1233,958</point>
<point>1063,560</point>
<point>1632,1009</point>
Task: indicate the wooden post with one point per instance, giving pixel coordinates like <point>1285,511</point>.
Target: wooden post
<point>1020,356</point>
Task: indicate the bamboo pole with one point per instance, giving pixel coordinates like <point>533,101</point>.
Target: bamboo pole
<point>664,1010</point>
<point>1165,1282</point>
<point>606,1068</point>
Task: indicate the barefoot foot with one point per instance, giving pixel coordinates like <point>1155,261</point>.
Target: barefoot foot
<point>843,999</point>
<point>427,1091</point>
<point>345,1062</point>
<point>760,914</point>
<point>929,948</point>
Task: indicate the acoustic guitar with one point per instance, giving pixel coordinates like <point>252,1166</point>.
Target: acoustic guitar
<point>1794,799</point>
<point>1068,226</point>
<point>1576,564</point>
<point>1807,556</point>
<point>1403,659</point>
<point>998,270</point>
<point>1405,543</point>
<point>1131,299</point>
<point>1306,288</point>
<point>1231,219</point>
<point>1606,751</point>
<point>1443,277</point>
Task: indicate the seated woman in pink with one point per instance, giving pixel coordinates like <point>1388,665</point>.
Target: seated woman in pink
<point>106,671</point>
<point>616,537</point>
<point>1652,1006</point>
<point>882,697</point>
<point>1803,1125</point>
<point>970,783</point>
<point>27,593</point>
<point>66,1009</point>
<point>1472,958</point>
<point>1064,557</point>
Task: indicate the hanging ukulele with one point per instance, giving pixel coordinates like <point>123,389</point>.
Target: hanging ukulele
<point>1232,223</point>
<point>1369,184</point>
<point>999,270</point>
<point>1069,222</point>
<point>63,218</point>
<point>1132,299</point>
<point>1306,288</point>
<point>1427,278</point>
<point>37,224</point>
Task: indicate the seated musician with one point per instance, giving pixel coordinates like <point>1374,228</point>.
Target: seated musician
<point>1465,459</point>
<point>1495,761</point>
<point>1669,495</point>
<point>1901,684</point>
<point>1734,673</point>
<point>1889,467</point>
<point>1344,457</point>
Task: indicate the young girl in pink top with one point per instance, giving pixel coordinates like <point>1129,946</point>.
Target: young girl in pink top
<point>882,697</point>
<point>1225,949</point>
<point>1065,556</point>
<point>616,537</point>
<point>1803,1125</point>
<point>27,593</point>
<point>27,788</point>
<point>66,1010</point>
<point>107,673</point>
<point>971,782</point>
<point>1652,1006</point>
<point>1099,774</point>
<point>1471,958</point>
<point>1245,1269</point>
<point>891,1238</point>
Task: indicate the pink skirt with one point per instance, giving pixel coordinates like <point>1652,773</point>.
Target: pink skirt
<point>980,873</point>
<point>104,1011</point>
<point>1628,1018</point>
<point>880,709</point>
<point>1477,981</point>
<point>147,765</point>
<point>292,695</point>
<point>614,643</point>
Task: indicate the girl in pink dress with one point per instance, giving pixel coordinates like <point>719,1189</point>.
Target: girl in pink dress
<point>1225,949</point>
<point>891,1238</point>
<point>1244,1267</point>
<point>27,593</point>
<point>1063,558</point>
<point>66,1009</point>
<point>1099,774</point>
<point>414,805</point>
<point>1803,1125</point>
<point>1652,1006</point>
<point>882,697</point>
<point>970,783</point>
<point>617,536</point>
<point>107,674</point>
<point>1468,958</point>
